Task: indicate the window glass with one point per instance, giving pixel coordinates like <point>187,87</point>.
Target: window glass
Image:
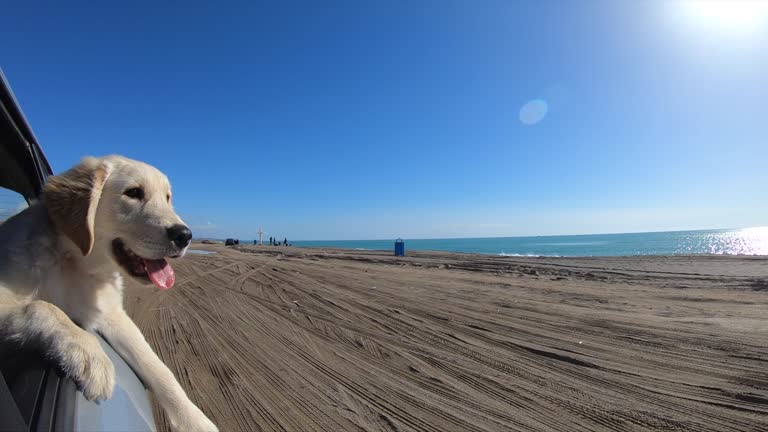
<point>10,204</point>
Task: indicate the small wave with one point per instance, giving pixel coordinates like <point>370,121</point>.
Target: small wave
<point>593,243</point>
<point>361,249</point>
<point>504,254</point>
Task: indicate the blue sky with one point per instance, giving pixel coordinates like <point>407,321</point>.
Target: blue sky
<point>382,119</point>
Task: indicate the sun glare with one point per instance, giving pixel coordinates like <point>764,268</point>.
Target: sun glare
<point>737,16</point>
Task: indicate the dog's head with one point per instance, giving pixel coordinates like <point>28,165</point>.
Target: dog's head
<point>120,208</point>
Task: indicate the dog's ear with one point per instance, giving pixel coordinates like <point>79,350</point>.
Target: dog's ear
<point>72,199</point>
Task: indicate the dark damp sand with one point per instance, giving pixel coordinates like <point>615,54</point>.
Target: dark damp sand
<point>339,340</point>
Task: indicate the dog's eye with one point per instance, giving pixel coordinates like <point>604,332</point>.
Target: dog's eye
<point>135,193</point>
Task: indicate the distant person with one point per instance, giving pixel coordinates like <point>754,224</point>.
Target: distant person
<point>285,241</point>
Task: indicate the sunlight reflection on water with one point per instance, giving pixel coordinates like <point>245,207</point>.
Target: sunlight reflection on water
<point>748,241</point>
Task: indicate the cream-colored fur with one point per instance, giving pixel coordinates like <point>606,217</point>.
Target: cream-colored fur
<point>57,268</point>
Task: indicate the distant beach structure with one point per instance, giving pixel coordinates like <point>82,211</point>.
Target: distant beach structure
<point>399,247</point>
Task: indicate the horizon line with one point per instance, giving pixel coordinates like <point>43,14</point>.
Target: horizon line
<point>517,236</point>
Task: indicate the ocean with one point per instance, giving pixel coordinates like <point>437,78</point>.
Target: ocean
<point>748,241</point>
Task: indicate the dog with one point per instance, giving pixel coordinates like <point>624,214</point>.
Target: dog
<point>63,263</point>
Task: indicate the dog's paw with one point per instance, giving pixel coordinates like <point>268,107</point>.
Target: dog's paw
<point>192,420</point>
<point>86,363</point>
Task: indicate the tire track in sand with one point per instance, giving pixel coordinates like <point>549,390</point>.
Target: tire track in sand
<point>324,340</point>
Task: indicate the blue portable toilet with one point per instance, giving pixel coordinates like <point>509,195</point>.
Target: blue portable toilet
<point>399,247</point>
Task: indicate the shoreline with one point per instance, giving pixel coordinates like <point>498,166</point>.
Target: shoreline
<point>502,255</point>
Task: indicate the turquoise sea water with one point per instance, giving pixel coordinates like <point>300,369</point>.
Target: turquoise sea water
<point>749,241</point>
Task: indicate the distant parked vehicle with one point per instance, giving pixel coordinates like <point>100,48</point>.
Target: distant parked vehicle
<point>230,242</point>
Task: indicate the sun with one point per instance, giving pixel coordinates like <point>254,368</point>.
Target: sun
<point>736,16</point>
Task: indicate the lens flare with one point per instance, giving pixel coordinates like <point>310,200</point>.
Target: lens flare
<point>533,112</point>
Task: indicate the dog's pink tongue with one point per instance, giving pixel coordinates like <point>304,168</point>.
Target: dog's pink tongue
<point>160,272</point>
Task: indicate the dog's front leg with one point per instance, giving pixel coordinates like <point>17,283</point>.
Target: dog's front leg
<point>126,338</point>
<point>77,352</point>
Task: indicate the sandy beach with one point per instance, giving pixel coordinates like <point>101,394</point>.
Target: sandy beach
<point>290,339</point>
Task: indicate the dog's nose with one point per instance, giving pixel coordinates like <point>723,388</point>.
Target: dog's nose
<point>180,235</point>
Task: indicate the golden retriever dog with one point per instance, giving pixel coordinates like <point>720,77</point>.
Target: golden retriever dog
<point>63,262</point>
